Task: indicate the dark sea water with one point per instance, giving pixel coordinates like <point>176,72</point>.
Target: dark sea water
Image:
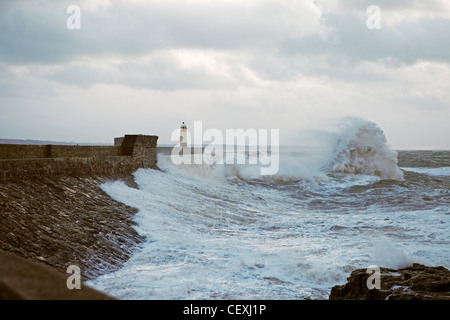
<point>224,232</point>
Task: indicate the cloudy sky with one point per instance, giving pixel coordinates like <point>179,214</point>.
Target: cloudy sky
<point>144,66</point>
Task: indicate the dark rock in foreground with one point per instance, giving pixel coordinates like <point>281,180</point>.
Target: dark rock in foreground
<point>417,282</point>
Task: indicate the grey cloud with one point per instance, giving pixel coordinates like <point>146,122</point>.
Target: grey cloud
<point>352,40</point>
<point>158,76</point>
<point>399,5</point>
<point>31,33</point>
<point>36,31</point>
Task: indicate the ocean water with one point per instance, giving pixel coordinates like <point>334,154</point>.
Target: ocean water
<point>345,201</point>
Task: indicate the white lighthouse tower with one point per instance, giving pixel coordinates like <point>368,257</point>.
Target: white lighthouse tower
<point>183,135</point>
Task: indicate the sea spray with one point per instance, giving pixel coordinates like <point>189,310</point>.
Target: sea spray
<point>357,146</point>
<point>362,149</point>
<point>218,234</point>
<point>389,254</point>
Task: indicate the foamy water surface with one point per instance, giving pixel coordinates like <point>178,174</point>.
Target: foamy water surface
<point>221,233</point>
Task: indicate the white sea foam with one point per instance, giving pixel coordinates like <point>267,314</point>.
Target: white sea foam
<point>388,254</point>
<point>214,233</point>
<point>362,149</point>
<point>357,146</point>
<point>221,239</point>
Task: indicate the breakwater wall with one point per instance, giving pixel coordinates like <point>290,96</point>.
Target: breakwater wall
<point>128,154</point>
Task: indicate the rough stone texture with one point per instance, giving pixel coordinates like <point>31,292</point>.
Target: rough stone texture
<point>22,279</point>
<point>31,168</point>
<point>118,141</point>
<point>140,146</point>
<point>66,220</point>
<point>26,161</point>
<point>21,151</point>
<point>417,282</point>
<point>17,151</point>
<point>83,151</point>
<point>53,212</point>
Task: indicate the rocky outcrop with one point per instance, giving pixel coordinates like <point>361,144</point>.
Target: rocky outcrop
<point>416,282</point>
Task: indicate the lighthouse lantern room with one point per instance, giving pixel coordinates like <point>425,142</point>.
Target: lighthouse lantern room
<point>183,135</point>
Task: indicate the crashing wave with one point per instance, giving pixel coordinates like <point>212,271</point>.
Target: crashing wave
<point>362,149</point>
<point>358,147</point>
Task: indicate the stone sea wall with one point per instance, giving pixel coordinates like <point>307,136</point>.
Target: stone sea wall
<point>64,220</point>
<point>53,212</point>
<point>27,161</point>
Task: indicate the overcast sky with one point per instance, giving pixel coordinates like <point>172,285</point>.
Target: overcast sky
<point>145,66</point>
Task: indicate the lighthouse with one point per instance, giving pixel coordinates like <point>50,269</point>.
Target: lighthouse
<point>183,135</point>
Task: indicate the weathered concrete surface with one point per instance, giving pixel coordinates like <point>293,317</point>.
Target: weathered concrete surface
<point>23,279</point>
<point>53,211</point>
<point>29,161</point>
